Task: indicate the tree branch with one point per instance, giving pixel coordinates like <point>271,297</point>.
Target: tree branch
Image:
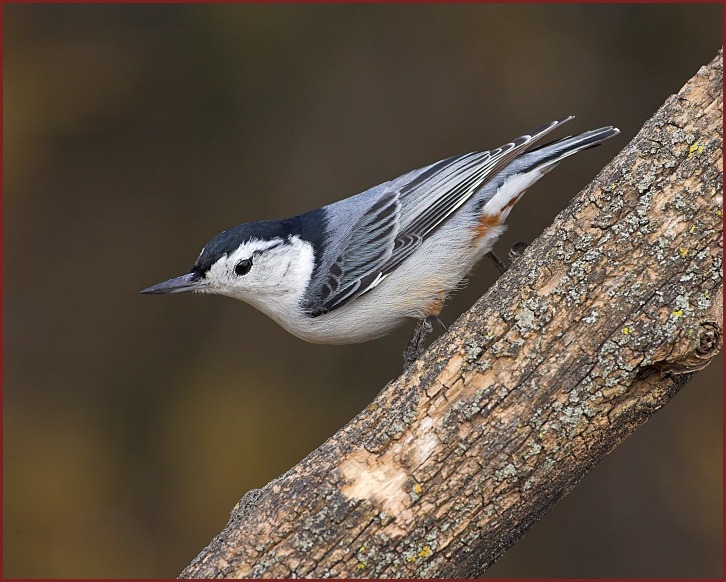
<point>605,317</point>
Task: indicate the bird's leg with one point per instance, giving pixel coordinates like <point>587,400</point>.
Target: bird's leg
<point>497,261</point>
<point>415,345</point>
<point>514,253</point>
<point>423,328</point>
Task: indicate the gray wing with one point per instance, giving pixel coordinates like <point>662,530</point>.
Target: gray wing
<point>408,211</point>
<point>368,247</point>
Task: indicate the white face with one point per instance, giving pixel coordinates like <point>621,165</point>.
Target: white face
<point>269,274</point>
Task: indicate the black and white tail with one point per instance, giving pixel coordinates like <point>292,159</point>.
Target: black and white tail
<point>549,155</point>
<point>509,185</point>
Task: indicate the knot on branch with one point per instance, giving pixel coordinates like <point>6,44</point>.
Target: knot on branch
<point>695,353</point>
<point>710,340</point>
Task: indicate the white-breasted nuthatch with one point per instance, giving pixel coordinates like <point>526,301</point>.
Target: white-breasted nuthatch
<point>355,269</point>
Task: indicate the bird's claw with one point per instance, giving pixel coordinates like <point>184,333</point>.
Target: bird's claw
<point>415,345</point>
<point>514,253</point>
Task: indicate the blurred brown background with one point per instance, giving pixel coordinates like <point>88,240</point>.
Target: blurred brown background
<point>132,134</point>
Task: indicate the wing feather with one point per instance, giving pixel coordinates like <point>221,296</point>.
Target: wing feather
<point>369,246</point>
<point>407,213</point>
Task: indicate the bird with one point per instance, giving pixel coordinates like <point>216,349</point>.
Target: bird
<point>356,269</point>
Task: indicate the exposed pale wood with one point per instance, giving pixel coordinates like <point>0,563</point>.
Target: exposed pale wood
<point>602,320</point>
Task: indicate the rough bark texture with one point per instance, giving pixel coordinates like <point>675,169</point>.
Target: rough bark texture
<point>597,326</point>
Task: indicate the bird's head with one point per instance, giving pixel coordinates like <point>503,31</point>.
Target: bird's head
<point>259,262</point>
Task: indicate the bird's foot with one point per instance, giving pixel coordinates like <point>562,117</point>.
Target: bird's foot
<point>415,345</point>
<point>517,251</point>
<point>514,253</point>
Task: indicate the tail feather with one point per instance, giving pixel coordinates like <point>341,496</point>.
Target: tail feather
<point>548,155</point>
<point>501,193</point>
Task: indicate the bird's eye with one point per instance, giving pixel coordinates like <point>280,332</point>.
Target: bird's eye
<point>243,267</point>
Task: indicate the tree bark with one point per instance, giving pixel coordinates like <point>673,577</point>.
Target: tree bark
<point>603,319</point>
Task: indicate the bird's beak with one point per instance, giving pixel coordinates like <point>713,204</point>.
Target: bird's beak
<point>187,282</point>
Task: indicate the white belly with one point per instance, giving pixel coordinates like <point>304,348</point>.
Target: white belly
<point>409,292</point>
